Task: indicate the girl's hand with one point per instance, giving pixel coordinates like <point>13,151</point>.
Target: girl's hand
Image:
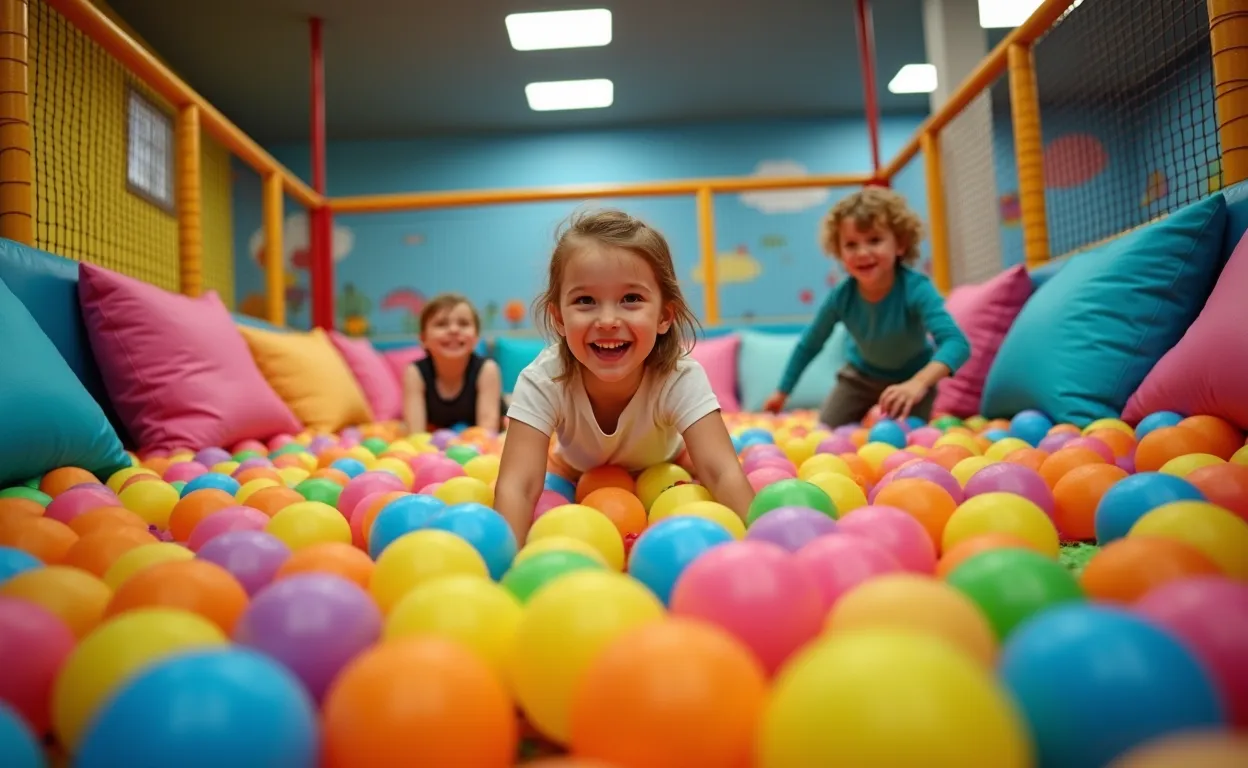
<point>897,400</point>
<point>775,403</point>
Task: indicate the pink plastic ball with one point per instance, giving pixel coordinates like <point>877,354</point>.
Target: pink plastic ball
<point>185,471</point>
<point>79,499</point>
<point>365,483</point>
<point>898,459</point>
<point>548,501</point>
<point>757,592</point>
<point>841,561</point>
<point>1051,443</point>
<point>437,470</point>
<point>836,444</point>
<point>1006,477</point>
<point>1209,614</point>
<point>762,449</point>
<point>223,521</point>
<point>429,489</point>
<point>930,470</point>
<point>896,531</point>
<point>1092,444</point>
<point>765,476</point>
<point>925,437</point>
<point>35,643</point>
<point>781,463</point>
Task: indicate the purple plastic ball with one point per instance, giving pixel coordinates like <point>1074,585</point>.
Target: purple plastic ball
<point>252,463</point>
<point>212,456</point>
<point>1053,442</point>
<point>791,527</point>
<point>836,444</point>
<point>320,443</point>
<point>313,623</point>
<point>930,470</point>
<point>252,557</point>
<point>1004,477</point>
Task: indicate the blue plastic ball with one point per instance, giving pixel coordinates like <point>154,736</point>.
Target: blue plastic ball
<point>1030,426</point>
<point>737,445</point>
<point>560,485</point>
<point>996,434</point>
<point>1136,495</point>
<point>14,561</point>
<point>18,746</point>
<point>486,530</point>
<point>349,467</point>
<point>889,432</point>
<point>1156,420</point>
<point>1094,682</point>
<point>914,422</point>
<point>401,516</point>
<point>211,480</point>
<point>756,436</point>
<point>663,551</point>
<point>205,709</point>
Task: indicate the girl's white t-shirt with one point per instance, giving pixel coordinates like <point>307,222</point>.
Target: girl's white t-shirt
<point>649,430</point>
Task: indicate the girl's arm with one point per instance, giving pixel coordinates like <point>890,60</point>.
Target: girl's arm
<point>716,463</point>
<point>521,476</point>
<point>489,396</point>
<point>414,400</point>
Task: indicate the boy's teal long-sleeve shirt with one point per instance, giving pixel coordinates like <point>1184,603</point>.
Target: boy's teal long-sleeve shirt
<point>888,339</point>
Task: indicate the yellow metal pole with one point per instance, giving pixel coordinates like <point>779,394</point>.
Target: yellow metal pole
<point>706,237</point>
<point>274,267</point>
<point>1228,39</point>
<point>17,198</point>
<point>1029,153</point>
<point>190,202</point>
<point>937,223</point>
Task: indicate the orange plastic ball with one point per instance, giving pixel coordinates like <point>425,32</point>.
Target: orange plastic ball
<point>1126,569</point>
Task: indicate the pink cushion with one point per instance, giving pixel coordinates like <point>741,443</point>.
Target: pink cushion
<point>400,359</point>
<point>984,311</point>
<point>1205,373</point>
<point>176,368</point>
<point>718,357</point>
<point>375,377</point>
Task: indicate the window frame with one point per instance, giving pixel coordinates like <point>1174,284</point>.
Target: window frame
<point>158,116</point>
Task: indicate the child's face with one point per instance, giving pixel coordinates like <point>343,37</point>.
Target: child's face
<point>451,333</point>
<point>869,255</point>
<point>610,311</point>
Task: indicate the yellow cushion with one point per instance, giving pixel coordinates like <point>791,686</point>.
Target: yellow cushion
<point>310,376</point>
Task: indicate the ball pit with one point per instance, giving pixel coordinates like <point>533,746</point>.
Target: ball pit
<point>984,582</point>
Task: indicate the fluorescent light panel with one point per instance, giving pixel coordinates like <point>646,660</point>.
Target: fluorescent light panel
<point>548,30</point>
<point>914,78</point>
<point>1007,14</point>
<point>570,94</point>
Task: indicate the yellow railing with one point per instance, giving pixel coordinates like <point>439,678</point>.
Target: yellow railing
<point>1013,57</point>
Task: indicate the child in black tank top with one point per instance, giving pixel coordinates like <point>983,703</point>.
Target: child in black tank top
<point>452,385</point>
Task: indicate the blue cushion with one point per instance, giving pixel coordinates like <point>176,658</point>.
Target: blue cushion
<point>513,354</point>
<point>1087,337</point>
<point>1236,217</point>
<point>47,417</point>
<point>48,285</point>
<point>761,362</point>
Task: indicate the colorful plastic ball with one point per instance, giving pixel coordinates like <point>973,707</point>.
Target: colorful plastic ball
<point>313,624</point>
<point>236,518</point>
<point>654,480</point>
<point>790,527</point>
<point>216,480</point>
<point>400,517</point>
<point>664,551</point>
<point>1209,615</point>
<point>465,490</point>
<point>790,493</point>
<point>349,467</point>
<point>307,523</point>
<point>1135,496</point>
<point>839,562</point>
<point>252,557</point>
<point>41,641</point>
<point>14,561</point>
<point>260,715</point>
<point>1156,420</point>
<point>632,711</point>
<point>877,698</point>
<point>1012,585</point>
<point>896,531</point>
<point>564,627</point>
<point>486,530</point>
<point>926,501</point>
<point>1030,425</point>
<point>1126,570</point>
<point>1094,682</point>
<point>756,591</point>
<point>528,575</point>
<point>927,470</point>
<point>418,557</point>
<point>364,484</point>
<point>18,743</point>
<point>75,501</point>
<point>1207,748</point>
<point>1216,532</point>
<point>196,586</point>
<point>1004,477</point>
<point>560,485</point>
<point>1223,484</point>
<point>585,523</point>
<point>999,512</point>
<point>888,432</point>
<point>670,501</point>
<point>477,613</point>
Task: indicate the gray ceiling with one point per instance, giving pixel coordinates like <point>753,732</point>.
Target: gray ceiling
<point>404,67</point>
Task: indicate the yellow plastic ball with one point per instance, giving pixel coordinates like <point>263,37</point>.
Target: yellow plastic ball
<point>73,595</point>
<point>1000,512</point>
<point>151,500</point>
<point>1004,447</point>
<point>823,462</point>
<point>401,446</point>
<point>966,468</point>
<point>420,557</point>
<point>654,480</point>
<point>975,423</point>
<point>670,501</point>
<point>1215,531</point>
<point>397,467</point>
<point>875,453</point>
<point>798,449</point>
<point>887,697</point>
<point>715,512</point>
<point>564,626</point>
<point>224,467</point>
<point>474,612</point>
<point>483,468</point>
<point>585,523</point>
<point>846,494</point>
<point>141,558</point>
<point>305,523</point>
<point>251,486</point>
<point>118,478</point>
<point>1182,466</point>
<point>958,438</point>
<point>1117,424</point>
<point>292,476</point>
<point>113,653</point>
<point>463,490</point>
<point>1240,456</point>
<point>556,544</point>
<point>362,455</point>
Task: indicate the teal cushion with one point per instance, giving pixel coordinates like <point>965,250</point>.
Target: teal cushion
<point>1092,332</point>
<point>47,418</point>
<point>513,355</point>
<point>762,359</point>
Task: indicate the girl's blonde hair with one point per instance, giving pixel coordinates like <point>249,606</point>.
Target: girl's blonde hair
<point>616,228</point>
<point>873,206</point>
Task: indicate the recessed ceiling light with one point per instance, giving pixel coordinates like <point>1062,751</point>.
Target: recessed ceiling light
<point>570,94</point>
<point>914,78</point>
<point>1007,14</point>
<point>548,30</point>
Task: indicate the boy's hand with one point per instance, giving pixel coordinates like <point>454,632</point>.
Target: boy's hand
<point>897,400</point>
<point>775,403</point>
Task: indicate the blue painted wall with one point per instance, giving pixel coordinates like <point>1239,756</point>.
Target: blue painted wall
<point>770,265</point>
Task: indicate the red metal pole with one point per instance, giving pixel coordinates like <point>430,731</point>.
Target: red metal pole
<point>866,53</point>
<point>320,234</point>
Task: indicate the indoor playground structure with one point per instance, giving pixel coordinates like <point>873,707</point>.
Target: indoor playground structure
<point>219,546</point>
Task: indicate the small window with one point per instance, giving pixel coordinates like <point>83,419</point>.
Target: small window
<point>149,151</point>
